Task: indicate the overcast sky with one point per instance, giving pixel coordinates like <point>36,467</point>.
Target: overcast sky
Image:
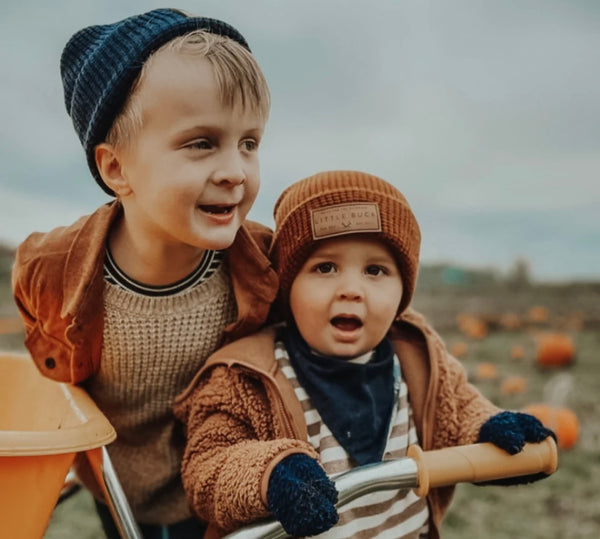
<point>486,114</point>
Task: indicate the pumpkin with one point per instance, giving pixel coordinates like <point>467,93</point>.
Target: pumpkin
<point>458,349</point>
<point>538,314</point>
<point>472,326</point>
<point>562,421</point>
<point>555,350</point>
<point>517,352</point>
<point>513,385</point>
<point>510,321</point>
<point>486,371</point>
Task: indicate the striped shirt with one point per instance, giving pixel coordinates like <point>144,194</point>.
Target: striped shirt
<point>211,260</point>
<point>392,514</point>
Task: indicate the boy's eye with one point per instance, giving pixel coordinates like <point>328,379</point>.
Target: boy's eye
<point>375,270</point>
<point>249,145</point>
<point>325,267</point>
<point>200,144</point>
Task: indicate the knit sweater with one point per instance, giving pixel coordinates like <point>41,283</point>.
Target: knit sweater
<point>152,348</point>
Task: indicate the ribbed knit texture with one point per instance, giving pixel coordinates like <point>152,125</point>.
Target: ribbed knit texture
<point>293,239</point>
<point>390,513</point>
<point>100,63</point>
<point>153,346</point>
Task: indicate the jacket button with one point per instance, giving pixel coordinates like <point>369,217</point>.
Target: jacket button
<point>50,362</point>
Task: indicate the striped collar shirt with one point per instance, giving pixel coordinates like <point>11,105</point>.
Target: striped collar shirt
<point>208,265</point>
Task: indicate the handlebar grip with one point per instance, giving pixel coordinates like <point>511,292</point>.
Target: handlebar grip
<point>480,462</point>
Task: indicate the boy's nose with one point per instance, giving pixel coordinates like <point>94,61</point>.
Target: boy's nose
<point>230,170</point>
<point>229,178</point>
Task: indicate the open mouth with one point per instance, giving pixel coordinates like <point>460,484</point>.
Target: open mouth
<point>217,210</point>
<point>346,323</point>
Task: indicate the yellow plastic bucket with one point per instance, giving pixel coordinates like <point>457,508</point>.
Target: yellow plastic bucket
<point>43,425</point>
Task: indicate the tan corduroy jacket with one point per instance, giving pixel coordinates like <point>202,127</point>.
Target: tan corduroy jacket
<point>242,418</point>
<point>58,286</point>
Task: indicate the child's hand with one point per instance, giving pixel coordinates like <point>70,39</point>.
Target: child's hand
<point>510,431</point>
<point>301,496</point>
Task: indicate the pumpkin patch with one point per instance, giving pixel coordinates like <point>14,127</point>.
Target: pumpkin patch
<point>538,314</point>
<point>562,421</point>
<point>472,326</point>
<point>555,350</point>
<point>513,385</point>
<point>517,352</point>
<point>458,349</point>
<point>486,371</point>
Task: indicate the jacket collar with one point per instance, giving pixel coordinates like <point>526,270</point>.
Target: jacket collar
<point>418,350</point>
<point>254,279</point>
<point>83,268</point>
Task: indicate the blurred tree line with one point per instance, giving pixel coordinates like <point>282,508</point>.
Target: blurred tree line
<point>440,275</point>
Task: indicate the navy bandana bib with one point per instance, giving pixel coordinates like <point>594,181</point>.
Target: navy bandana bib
<point>354,400</point>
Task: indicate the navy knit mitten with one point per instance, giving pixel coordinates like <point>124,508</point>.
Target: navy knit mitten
<point>301,496</point>
<point>510,431</point>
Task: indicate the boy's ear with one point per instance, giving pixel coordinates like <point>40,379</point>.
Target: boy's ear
<point>108,162</point>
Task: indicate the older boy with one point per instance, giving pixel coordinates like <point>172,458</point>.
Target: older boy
<point>353,378</point>
<point>132,299</point>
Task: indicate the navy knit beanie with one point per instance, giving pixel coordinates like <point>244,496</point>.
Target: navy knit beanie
<point>100,63</point>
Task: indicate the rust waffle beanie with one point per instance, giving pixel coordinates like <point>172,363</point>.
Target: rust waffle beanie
<point>336,203</point>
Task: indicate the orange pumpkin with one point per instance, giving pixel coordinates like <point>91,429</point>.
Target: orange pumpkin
<point>472,326</point>
<point>555,350</point>
<point>486,371</point>
<point>517,352</point>
<point>513,385</point>
<point>538,314</point>
<point>510,321</point>
<point>458,349</point>
<point>562,421</point>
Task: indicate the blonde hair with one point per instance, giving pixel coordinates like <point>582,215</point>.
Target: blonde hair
<point>239,78</point>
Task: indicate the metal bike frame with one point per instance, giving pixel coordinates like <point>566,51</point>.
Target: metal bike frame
<point>389,475</point>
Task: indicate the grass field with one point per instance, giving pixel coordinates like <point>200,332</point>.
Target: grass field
<point>563,505</point>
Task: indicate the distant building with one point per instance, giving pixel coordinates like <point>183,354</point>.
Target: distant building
<point>442,275</point>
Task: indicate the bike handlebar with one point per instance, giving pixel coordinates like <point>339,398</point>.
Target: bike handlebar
<point>424,470</point>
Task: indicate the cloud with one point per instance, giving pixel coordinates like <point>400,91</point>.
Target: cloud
<point>24,213</point>
<point>485,114</point>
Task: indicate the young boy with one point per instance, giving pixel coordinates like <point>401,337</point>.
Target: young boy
<point>131,300</point>
<point>352,378</point>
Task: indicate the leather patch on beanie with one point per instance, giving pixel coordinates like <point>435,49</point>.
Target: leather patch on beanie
<point>345,219</point>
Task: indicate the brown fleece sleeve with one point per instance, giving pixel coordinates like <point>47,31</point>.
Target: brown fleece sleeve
<point>230,446</point>
<point>460,408</point>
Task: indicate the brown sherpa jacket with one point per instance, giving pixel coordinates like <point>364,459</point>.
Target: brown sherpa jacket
<point>242,418</point>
